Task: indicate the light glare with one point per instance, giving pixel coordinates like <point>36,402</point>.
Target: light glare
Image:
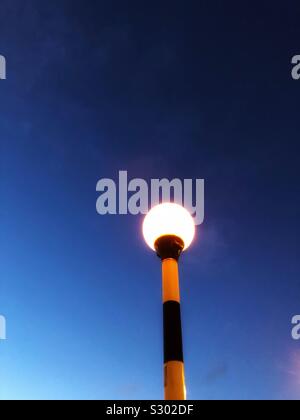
<point>168,219</point>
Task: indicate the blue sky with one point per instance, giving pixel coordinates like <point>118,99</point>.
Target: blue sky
<point>161,90</point>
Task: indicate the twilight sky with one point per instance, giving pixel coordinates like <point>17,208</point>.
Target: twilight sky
<point>196,89</point>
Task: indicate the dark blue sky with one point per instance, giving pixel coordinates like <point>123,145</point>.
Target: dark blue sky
<point>199,89</point>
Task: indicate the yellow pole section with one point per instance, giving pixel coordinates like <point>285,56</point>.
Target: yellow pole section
<point>170,279</point>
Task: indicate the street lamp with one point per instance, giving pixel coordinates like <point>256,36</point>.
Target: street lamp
<point>169,229</point>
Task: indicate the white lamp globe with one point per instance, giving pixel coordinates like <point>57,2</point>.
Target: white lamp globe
<point>168,219</point>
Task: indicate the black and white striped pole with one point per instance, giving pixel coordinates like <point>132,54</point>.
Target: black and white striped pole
<point>169,229</point>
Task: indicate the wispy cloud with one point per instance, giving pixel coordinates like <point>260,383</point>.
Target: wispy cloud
<point>216,373</point>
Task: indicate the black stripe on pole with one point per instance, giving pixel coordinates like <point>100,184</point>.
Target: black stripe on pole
<point>172,332</point>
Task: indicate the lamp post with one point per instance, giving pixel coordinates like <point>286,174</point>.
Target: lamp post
<point>169,229</point>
